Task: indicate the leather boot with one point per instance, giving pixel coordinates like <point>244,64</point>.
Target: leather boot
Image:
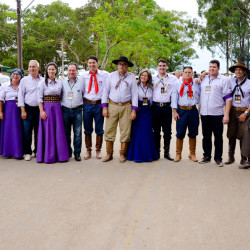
<point>109,148</point>
<point>123,152</point>
<point>98,146</point>
<point>192,148</point>
<point>243,160</point>
<point>231,150</point>
<point>179,146</point>
<point>88,143</point>
<point>166,149</point>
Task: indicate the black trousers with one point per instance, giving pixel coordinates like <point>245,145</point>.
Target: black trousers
<point>162,119</point>
<point>212,124</point>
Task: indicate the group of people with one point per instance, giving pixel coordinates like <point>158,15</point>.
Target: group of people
<point>143,109</point>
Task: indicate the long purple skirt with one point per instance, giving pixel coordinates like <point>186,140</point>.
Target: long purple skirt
<point>51,138</point>
<point>11,143</point>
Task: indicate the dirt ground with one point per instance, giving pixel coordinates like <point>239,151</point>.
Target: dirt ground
<point>94,205</point>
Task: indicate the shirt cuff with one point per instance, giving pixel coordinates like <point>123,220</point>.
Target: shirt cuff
<point>228,97</point>
<point>134,108</point>
<point>104,105</point>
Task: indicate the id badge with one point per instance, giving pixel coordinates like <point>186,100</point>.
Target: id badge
<point>208,89</point>
<point>237,99</point>
<point>70,95</point>
<point>145,101</point>
<point>192,96</point>
<point>163,91</point>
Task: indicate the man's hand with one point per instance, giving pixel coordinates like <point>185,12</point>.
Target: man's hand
<point>242,117</point>
<point>198,80</point>
<point>176,115</point>
<point>24,115</point>
<point>133,115</point>
<point>43,115</point>
<point>105,112</point>
<point>1,115</point>
<point>225,119</point>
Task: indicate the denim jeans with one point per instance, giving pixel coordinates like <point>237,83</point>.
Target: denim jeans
<point>73,118</point>
<point>92,112</point>
<point>30,123</point>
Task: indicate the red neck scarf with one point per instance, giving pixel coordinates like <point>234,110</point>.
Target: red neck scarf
<point>189,87</point>
<point>95,81</point>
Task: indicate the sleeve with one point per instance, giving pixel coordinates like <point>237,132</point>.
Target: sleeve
<point>105,93</point>
<point>174,96</point>
<point>2,94</point>
<point>134,89</point>
<point>227,91</point>
<point>21,93</point>
<point>40,91</point>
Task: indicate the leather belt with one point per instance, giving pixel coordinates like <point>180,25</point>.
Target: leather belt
<point>120,103</point>
<point>78,107</point>
<point>51,98</point>
<point>161,104</point>
<point>92,102</point>
<point>239,109</point>
<point>187,107</point>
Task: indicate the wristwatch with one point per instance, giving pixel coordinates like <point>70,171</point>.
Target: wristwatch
<point>247,113</point>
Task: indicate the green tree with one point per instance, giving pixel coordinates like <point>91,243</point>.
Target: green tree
<point>227,28</point>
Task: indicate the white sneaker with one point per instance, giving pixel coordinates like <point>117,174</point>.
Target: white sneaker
<point>27,157</point>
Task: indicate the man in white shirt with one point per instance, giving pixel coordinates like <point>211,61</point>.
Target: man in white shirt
<point>215,94</point>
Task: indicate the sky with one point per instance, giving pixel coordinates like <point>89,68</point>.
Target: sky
<point>190,6</point>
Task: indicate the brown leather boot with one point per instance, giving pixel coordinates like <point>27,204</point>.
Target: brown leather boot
<point>123,152</point>
<point>98,146</point>
<point>231,150</point>
<point>192,147</point>
<point>88,142</point>
<point>109,148</point>
<point>179,146</point>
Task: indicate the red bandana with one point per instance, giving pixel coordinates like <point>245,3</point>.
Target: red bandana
<point>189,87</point>
<point>95,81</point>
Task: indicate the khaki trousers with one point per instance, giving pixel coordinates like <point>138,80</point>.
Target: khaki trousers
<point>117,114</point>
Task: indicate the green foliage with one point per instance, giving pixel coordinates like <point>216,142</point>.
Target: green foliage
<point>227,27</point>
<point>138,29</point>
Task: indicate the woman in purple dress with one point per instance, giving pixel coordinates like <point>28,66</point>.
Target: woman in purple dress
<point>51,139</point>
<point>11,143</point>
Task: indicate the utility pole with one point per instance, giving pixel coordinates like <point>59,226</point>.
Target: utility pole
<point>19,36</point>
<point>62,58</point>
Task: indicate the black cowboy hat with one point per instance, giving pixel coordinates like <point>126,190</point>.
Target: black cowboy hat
<point>239,65</point>
<point>123,59</point>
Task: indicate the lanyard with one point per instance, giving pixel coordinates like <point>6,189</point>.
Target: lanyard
<point>73,84</point>
<point>145,92</point>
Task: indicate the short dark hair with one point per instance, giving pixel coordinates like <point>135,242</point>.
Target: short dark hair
<point>73,63</point>
<point>188,67</point>
<point>163,61</point>
<point>216,62</point>
<point>93,57</point>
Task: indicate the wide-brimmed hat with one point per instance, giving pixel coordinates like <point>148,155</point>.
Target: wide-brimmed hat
<point>239,65</point>
<point>123,59</point>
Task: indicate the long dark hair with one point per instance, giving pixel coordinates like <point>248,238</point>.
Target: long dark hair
<point>46,72</point>
<point>149,81</point>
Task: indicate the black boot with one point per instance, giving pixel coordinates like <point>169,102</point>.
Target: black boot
<point>166,150</point>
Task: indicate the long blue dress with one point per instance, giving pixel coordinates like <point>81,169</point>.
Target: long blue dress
<point>142,146</point>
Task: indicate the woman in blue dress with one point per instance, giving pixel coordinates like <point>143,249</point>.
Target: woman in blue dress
<point>142,146</point>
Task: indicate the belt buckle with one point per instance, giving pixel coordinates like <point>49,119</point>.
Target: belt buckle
<point>119,103</point>
<point>161,104</point>
<point>189,107</point>
<point>93,102</point>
